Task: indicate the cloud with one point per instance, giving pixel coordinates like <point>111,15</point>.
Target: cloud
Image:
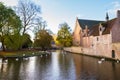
<point>115,6</point>
<point>9,2</point>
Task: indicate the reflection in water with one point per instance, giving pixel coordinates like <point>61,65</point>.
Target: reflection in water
<point>55,65</point>
<point>88,68</point>
<point>59,66</point>
<point>31,67</point>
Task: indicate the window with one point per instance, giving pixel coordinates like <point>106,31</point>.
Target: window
<point>100,29</point>
<point>97,39</point>
<point>92,45</point>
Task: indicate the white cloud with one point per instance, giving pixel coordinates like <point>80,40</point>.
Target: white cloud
<point>9,2</point>
<point>115,6</point>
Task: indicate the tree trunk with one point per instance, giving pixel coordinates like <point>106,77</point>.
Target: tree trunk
<point>3,47</point>
<point>23,31</point>
<point>2,41</point>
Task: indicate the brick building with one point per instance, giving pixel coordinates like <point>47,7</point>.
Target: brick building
<point>98,37</point>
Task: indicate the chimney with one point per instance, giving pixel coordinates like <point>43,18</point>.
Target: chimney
<point>118,14</point>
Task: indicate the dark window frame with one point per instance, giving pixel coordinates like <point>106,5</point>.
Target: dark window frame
<point>97,38</point>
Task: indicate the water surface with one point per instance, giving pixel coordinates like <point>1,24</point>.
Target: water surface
<point>59,66</point>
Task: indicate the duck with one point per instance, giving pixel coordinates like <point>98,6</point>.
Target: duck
<point>23,54</point>
<point>118,61</point>
<point>99,62</point>
<point>103,59</point>
<point>16,59</point>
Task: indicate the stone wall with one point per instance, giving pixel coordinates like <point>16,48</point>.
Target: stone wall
<point>76,34</point>
<point>74,49</point>
<point>116,47</point>
<point>102,45</point>
<point>115,30</point>
<point>105,51</point>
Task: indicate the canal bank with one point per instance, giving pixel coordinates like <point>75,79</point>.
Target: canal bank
<point>89,52</point>
<point>21,54</point>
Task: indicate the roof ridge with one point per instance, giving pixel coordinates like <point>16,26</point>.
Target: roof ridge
<point>90,20</point>
<point>89,23</point>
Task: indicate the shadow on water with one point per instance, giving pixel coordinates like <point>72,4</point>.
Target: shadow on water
<point>59,66</point>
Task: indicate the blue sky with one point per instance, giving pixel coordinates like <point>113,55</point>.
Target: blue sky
<point>56,12</point>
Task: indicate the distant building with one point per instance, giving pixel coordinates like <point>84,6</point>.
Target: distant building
<point>99,37</point>
<point>54,42</point>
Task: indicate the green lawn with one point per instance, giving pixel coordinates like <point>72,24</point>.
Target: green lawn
<point>20,53</point>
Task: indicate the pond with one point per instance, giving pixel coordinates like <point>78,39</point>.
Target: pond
<point>59,66</point>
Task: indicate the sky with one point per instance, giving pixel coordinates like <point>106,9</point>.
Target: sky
<point>56,12</point>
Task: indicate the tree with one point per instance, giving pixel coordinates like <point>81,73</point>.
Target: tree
<point>26,41</point>
<point>13,42</point>
<point>10,23</point>
<point>41,25</point>
<point>43,36</point>
<point>17,41</point>
<point>64,36</point>
<point>43,39</point>
<point>28,12</point>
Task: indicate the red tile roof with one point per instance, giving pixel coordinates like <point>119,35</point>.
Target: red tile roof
<point>94,31</point>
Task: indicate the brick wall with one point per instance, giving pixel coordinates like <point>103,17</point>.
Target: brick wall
<point>116,47</point>
<point>115,30</point>
<point>77,34</point>
<point>74,49</point>
<point>101,47</point>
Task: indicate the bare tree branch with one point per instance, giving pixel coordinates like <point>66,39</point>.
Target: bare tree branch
<point>28,12</point>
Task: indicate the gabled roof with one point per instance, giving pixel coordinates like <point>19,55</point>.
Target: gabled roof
<point>89,23</point>
<point>107,25</point>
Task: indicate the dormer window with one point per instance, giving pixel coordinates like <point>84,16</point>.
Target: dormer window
<point>101,29</point>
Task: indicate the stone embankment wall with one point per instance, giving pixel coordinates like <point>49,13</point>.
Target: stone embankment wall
<point>74,49</point>
<point>104,51</point>
<point>89,51</point>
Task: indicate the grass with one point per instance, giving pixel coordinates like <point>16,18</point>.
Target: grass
<point>20,53</point>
